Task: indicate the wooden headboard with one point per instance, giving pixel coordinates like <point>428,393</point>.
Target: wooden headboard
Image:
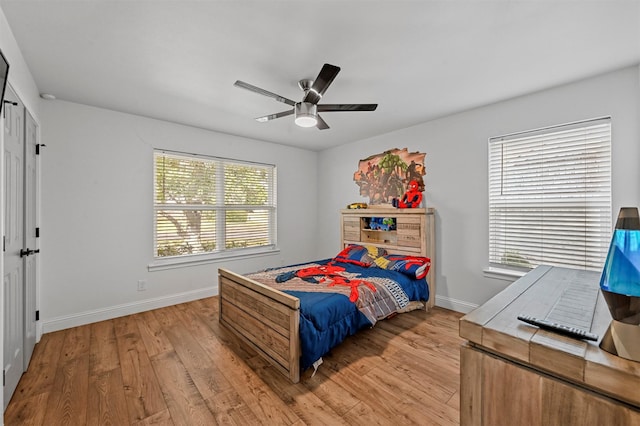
<point>414,234</point>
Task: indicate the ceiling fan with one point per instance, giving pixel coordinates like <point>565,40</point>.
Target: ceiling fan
<point>306,111</point>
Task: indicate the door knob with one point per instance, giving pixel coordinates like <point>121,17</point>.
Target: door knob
<point>26,252</point>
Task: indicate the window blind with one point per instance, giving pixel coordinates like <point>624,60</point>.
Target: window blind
<point>208,204</point>
<point>550,196</point>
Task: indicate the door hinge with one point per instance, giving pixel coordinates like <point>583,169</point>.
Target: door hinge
<point>38,145</point>
<point>3,377</point>
<point>37,315</point>
<point>4,243</point>
<point>37,232</point>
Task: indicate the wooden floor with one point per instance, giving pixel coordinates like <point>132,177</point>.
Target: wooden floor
<point>177,366</point>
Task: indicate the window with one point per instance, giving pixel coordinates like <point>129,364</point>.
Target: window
<point>207,205</point>
<point>550,197</point>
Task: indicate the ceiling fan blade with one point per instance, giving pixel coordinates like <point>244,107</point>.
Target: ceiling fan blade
<point>347,107</point>
<point>321,125</point>
<point>274,116</point>
<point>321,83</point>
<point>260,91</point>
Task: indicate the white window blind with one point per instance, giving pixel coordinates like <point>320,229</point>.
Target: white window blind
<point>212,205</point>
<point>550,197</point>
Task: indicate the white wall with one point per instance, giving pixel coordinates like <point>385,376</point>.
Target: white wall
<point>97,217</point>
<point>456,179</point>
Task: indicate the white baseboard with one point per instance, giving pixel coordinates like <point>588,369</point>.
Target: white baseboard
<point>88,317</point>
<point>454,304</point>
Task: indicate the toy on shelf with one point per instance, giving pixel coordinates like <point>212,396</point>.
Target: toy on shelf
<point>357,206</point>
<point>382,224</point>
<point>411,199</point>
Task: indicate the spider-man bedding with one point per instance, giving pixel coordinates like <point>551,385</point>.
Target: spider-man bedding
<point>342,295</point>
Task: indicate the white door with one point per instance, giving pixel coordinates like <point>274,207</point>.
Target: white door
<point>30,236</point>
<point>13,242</point>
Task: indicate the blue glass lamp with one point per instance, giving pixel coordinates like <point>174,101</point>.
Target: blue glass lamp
<point>620,286</point>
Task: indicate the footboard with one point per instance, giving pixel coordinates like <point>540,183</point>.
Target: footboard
<point>265,318</point>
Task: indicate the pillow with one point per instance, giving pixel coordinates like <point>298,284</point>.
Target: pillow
<point>360,255</point>
<point>413,266</point>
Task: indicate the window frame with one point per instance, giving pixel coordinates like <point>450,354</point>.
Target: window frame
<point>220,207</point>
<point>600,234</point>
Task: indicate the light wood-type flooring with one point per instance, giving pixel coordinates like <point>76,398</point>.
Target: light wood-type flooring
<point>178,366</point>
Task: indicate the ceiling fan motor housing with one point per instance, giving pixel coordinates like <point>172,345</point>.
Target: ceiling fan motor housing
<point>305,113</point>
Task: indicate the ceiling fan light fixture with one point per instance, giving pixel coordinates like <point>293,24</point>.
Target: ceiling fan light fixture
<point>306,113</point>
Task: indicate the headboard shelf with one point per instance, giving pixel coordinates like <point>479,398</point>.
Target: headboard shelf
<point>406,231</point>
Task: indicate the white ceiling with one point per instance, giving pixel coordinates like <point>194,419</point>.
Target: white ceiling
<point>419,60</point>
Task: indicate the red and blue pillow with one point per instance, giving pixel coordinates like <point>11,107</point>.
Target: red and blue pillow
<point>414,266</point>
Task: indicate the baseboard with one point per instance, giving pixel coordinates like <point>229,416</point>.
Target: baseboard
<point>88,317</point>
<point>454,304</point>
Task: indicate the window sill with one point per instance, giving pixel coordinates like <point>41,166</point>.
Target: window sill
<point>502,273</point>
<point>160,264</point>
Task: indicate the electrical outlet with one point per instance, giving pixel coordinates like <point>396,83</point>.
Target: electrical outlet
<point>142,285</point>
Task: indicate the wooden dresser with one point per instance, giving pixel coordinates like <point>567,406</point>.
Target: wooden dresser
<point>414,234</point>
<point>514,373</point>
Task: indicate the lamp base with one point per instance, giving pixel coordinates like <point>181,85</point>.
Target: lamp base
<point>623,340</point>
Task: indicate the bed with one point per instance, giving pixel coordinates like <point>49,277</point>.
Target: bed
<point>294,315</point>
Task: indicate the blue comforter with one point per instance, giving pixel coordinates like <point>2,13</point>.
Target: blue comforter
<point>328,316</point>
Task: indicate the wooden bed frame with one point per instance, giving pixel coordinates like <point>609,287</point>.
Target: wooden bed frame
<point>268,320</point>
<point>265,318</point>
